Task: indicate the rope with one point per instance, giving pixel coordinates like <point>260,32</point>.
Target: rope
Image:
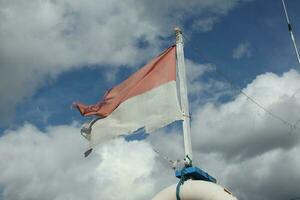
<point>182,178</point>
<point>255,102</point>
<point>166,158</point>
<point>295,126</point>
<point>181,182</point>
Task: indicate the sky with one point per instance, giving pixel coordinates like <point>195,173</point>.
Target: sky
<point>54,53</point>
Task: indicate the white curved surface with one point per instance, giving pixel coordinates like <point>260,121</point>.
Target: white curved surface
<point>196,190</point>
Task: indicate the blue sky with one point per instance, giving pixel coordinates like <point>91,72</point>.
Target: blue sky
<point>75,52</point>
<point>260,23</point>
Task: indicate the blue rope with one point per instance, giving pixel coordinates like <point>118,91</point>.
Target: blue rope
<point>183,177</point>
<point>181,182</point>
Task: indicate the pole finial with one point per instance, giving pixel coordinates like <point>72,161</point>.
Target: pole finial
<point>177,29</point>
<point>178,34</point>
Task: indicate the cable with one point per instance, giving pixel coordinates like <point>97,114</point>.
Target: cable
<point>292,126</point>
<point>291,30</point>
<point>166,158</point>
<point>295,126</point>
<point>255,102</point>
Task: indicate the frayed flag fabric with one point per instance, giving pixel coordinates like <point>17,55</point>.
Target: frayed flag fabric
<point>147,99</point>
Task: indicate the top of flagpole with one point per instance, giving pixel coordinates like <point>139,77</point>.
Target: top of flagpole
<point>183,96</point>
<point>178,34</point>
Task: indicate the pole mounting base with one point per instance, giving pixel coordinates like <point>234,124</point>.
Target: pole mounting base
<point>194,173</point>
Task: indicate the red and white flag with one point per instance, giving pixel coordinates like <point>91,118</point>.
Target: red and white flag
<point>148,99</point>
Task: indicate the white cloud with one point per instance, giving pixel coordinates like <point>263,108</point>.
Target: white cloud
<point>245,148</point>
<point>204,25</point>
<point>242,146</point>
<point>50,165</point>
<point>194,73</point>
<point>245,129</point>
<point>203,91</point>
<point>274,175</point>
<point>195,70</point>
<point>242,50</point>
<point>42,38</point>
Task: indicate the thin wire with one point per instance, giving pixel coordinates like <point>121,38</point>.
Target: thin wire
<point>173,163</point>
<point>290,30</point>
<point>294,127</point>
<point>166,158</point>
<point>255,102</point>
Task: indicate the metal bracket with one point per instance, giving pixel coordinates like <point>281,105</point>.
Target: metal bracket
<point>194,173</point>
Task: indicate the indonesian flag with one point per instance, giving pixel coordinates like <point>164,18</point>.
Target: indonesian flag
<point>147,99</point>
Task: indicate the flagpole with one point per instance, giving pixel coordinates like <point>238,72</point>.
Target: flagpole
<point>183,97</point>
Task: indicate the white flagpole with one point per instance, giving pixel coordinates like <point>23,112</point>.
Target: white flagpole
<point>183,96</point>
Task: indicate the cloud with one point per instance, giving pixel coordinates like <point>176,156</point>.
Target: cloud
<point>203,91</point>
<point>275,174</point>
<point>204,25</point>
<point>194,73</point>
<point>245,128</point>
<point>242,50</point>
<point>246,149</point>
<point>41,39</point>
<point>50,165</point>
